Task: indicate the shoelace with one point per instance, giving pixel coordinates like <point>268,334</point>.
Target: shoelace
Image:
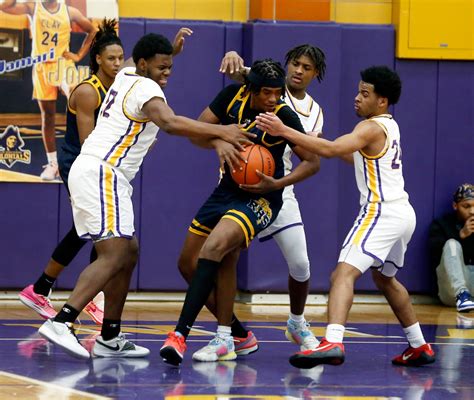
<point>70,326</point>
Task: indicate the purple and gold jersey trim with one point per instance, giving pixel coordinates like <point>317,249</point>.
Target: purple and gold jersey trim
<point>125,101</point>
<point>121,148</point>
<point>373,181</point>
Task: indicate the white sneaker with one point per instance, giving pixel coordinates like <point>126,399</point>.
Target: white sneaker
<point>118,347</point>
<point>50,172</point>
<point>62,334</point>
<point>300,334</point>
<point>218,349</point>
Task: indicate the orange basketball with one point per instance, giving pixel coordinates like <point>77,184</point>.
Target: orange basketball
<point>258,157</point>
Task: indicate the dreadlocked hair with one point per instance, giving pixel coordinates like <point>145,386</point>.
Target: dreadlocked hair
<point>315,54</point>
<point>269,69</point>
<point>105,36</point>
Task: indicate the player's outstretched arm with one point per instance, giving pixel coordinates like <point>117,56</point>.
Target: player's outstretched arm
<point>178,42</point>
<point>163,116</point>
<point>233,66</point>
<point>359,138</point>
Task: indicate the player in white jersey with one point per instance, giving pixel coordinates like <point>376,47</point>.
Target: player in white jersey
<point>99,182</point>
<point>304,63</point>
<point>384,226</point>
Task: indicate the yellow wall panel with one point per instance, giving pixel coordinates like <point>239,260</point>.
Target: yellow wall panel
<point>225,10</point>
<point>362,11</point>
<point>147,8</point>
<point>13,21</point>
<point>434,29</point>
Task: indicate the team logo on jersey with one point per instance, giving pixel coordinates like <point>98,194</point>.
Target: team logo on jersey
<point>11,147</point>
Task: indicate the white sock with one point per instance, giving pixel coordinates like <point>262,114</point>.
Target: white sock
<point>299,319</point>
<point>335,333</point>
<point>414,335</point>
<point>52,157</point>
<point>223,331</point>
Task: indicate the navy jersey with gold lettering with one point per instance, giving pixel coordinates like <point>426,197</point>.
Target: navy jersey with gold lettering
<point>72,145</point>
<point>232,106</point>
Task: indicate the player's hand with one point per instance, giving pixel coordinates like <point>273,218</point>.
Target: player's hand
<point>237,137</point>
<point>231,63</point>
<point>228,154</point>
<point>68,55</point>
<point>270,123</point>
<point>178,43</point>
<point>267,184</point>
<point>467,229</point>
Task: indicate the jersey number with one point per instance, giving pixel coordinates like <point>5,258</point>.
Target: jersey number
<point>54,39</point>
<point>397,158</point>
<point>110,100</point>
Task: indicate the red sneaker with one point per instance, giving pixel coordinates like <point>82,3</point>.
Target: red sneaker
<point>173,349</point>
<point>415,356</point>
<point>246,345</point>
<point>37,302</point>
<point>325,353</point>
<point>95,308</point>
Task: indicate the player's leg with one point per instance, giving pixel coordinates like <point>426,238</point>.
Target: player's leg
<point>222,346</point>
<point>37,296</point>
<point>292,243</point>
<point>225,237</point>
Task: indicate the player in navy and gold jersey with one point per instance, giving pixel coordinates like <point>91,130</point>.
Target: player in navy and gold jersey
<point>379,237</point>
<point>51,22</point>
<point>106,58</point>
<point>233,214</point>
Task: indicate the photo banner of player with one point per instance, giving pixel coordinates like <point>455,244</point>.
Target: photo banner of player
<point>43,56</point>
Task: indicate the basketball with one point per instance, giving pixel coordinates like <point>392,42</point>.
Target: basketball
<point>258,157</point>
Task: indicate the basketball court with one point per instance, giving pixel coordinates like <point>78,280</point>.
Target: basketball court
<point>35,369</point>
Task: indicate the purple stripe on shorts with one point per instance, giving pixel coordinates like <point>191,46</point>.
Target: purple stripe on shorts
<point>117,213</point>
<point>356,226</point>
<point>102,206</point>
<point>270,236</point>
<point>379,209</point>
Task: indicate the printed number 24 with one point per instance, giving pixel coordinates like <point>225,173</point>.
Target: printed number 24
<point>397,158</point>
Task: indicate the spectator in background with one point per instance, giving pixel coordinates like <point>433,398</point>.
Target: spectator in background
<point>452,251</point>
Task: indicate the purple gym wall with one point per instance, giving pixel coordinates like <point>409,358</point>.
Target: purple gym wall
<point>435,115</point>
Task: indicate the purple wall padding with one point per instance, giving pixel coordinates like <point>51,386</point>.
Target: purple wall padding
<point>455,133</point>
<point>130,30</point>
<point>29,231</point>
<point>435,115</point>
<point>415,114</point>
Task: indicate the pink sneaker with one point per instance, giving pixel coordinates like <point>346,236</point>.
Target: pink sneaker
<point>95,308</point>
<point>37,302</point>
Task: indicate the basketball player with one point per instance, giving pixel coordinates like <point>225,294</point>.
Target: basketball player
<point>51,22</point>
<point>232,216</point>
<point>99,182</point>
<point>106,59</point>
<point>385,224</point>
<point>304,63</point>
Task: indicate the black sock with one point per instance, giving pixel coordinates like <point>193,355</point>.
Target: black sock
<point>237,328</point>
<point>44,284</point>
<point>67,314</point>
<point>198,292</point>
<point>110,328</point>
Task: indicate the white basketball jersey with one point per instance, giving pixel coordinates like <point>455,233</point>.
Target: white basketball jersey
<point>123,133</point>
<point>311,116</point>
<point>380,178</point>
